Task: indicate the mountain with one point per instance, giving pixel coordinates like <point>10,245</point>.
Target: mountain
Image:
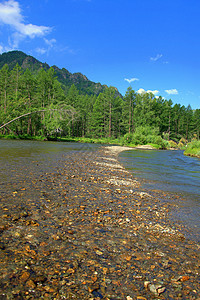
<point>83,84</point>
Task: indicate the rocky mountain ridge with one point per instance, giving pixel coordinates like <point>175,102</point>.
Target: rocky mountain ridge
<point>82,83</point>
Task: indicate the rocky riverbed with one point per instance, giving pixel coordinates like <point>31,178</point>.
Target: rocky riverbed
<point>88,231</point>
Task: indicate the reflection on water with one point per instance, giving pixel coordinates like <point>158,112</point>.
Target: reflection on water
<point>16,150</point>
<point>19,159</point>
<point>169,171</point>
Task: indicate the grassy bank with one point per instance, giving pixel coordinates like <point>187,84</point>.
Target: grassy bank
<point>22,137</point>
<point>142,135</point>
<point>105,141</point>
<point>93,140</point>
<point>193,149</point>
<point>129,140</point>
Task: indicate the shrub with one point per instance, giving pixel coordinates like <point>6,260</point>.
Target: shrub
<point>194,144</point>
<point>183,141</point>
<point>10,136</point>
<point>145,135</point>
<point>181,145</point>
<point>193,149</point>
<point>128,138</point>
<point>165,136</point>
<point>173,144</point>
<point>139,139</point>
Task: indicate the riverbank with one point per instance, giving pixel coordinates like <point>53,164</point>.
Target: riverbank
<point>93,233</point>
<point>103,141</point>
<point>193,149</point>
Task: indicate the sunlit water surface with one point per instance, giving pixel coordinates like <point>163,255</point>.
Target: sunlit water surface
<point>21,161</point>
<point>173,172</point>
<point>169,171</point>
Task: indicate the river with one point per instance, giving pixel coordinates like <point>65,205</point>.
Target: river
<point>173,172</point>
<point>170,171</point>
<point>22,162</point>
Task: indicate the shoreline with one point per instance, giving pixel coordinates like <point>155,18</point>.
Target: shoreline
<point>118,149</point>
<point>191,230</point>
<point>95,234</point>
<point>90,140</point>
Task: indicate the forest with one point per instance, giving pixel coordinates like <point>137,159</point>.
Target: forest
<point>40,106</point>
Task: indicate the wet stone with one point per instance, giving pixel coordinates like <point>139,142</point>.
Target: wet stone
<point>88,231</point>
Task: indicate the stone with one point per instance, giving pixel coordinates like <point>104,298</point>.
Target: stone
<point>24,277</point>
<point>30,284</point>
<point>146,284</point>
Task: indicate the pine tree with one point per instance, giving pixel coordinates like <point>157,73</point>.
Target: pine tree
<point>196,123</point>
<point>128,108</point>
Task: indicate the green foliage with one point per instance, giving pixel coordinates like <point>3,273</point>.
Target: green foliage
<point>144,135</point>
<point>65,78</point>
<point>165,136</point>
<point>95,112</point>
<point>193,149</point>
<point>173,144</point>
<point>9,136</point>
<point>182,144</point>
<point>183,141</point>
<point>128,110</point>
<point>194,145</point>
<point>127,138</point>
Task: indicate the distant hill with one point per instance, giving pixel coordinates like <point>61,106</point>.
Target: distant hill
<point>83,84</point>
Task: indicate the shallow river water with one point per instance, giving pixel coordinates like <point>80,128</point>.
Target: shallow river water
<point>23,161</point>
<point>172,172</point>
<point>169,171</point>
<point>75,225</point>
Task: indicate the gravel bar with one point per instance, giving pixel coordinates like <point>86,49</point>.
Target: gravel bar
<point>87,230</point>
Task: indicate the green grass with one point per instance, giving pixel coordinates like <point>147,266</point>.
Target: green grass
<point>193,149</point>
<point>156,146</point>
<point>93,140</point>
<point>21,137</point>
<point>107,141</point>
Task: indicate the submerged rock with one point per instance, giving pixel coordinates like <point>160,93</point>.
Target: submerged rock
<point>89,232</point>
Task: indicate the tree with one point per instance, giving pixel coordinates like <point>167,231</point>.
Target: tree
<point>73,98</point>
<point>4,85</point>
<point>4,93</point>
<point>196,123</point>
<point>15,79</point>
<point>98,117</point>
<point>110,102</point>
<point>176,113</point>
<point>189,116</point>
<point>28,99</point>
<point>128,108</point>
<point>166,117</point>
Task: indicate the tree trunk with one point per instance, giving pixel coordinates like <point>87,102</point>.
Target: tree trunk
<point>110,120</point>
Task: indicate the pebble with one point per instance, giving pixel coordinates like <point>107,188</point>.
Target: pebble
<point>89,232</point>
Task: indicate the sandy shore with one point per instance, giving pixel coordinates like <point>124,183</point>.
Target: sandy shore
<point>117,149</point>
<point>94,233</point>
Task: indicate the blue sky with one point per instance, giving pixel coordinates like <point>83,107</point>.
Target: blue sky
<point>152,45</point>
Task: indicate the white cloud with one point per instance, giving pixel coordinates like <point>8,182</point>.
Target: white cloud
<point>157,57</point>
<point>41,50</point>
<point>142,91</point>
<point>50,43</point>
<point>45,50</point>
<point>5,49</point>
<point>155,92</point>
<point>131,79</point>
<point>172,92</point>
<point>11,15</point>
